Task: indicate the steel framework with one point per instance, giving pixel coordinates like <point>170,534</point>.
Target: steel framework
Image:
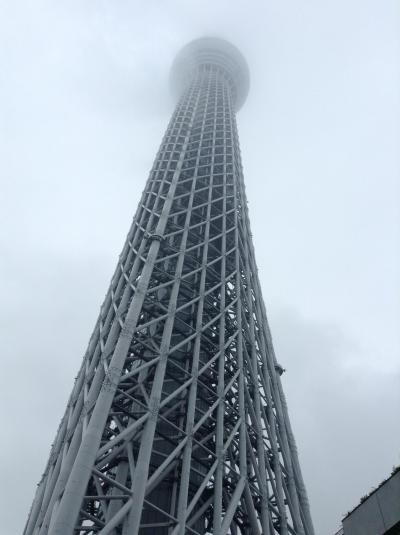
<point>177,423</point>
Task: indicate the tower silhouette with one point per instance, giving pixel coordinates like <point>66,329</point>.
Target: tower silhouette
<point>177,423</point>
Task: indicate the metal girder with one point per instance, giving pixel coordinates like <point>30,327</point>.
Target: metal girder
<point>177,422</point>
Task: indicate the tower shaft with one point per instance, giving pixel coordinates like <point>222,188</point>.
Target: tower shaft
<point>177,423</point>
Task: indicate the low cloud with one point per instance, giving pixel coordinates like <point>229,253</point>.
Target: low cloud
<point>343,412</point>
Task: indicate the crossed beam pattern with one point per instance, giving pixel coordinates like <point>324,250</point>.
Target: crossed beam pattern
<point>177,423</point>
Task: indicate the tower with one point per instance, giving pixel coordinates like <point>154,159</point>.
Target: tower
<point>177,423</point>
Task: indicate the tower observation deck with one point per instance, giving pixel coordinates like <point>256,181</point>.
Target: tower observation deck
<point>177,423</point>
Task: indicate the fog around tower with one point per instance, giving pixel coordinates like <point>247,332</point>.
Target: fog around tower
<point>84,102</point>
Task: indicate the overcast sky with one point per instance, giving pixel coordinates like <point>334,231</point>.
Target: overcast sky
<point>84,103</point>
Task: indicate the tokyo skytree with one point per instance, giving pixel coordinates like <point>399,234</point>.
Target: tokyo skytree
<point>177,423</point>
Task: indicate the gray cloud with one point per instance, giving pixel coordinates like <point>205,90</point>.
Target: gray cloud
<point>84,103</point>
<point>343,411</point>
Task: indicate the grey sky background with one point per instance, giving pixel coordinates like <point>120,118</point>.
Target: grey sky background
<point>84,103</point>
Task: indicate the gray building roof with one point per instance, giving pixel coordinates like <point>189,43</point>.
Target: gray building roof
<point>379,512</point>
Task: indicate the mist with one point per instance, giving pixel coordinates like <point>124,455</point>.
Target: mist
<point>84,102</point>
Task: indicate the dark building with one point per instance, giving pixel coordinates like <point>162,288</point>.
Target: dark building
<point>378,513</point>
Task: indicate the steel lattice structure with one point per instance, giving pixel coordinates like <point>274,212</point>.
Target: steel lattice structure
<point>177,423</point>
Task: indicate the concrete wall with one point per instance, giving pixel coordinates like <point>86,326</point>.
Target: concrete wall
<point>378,513</point>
